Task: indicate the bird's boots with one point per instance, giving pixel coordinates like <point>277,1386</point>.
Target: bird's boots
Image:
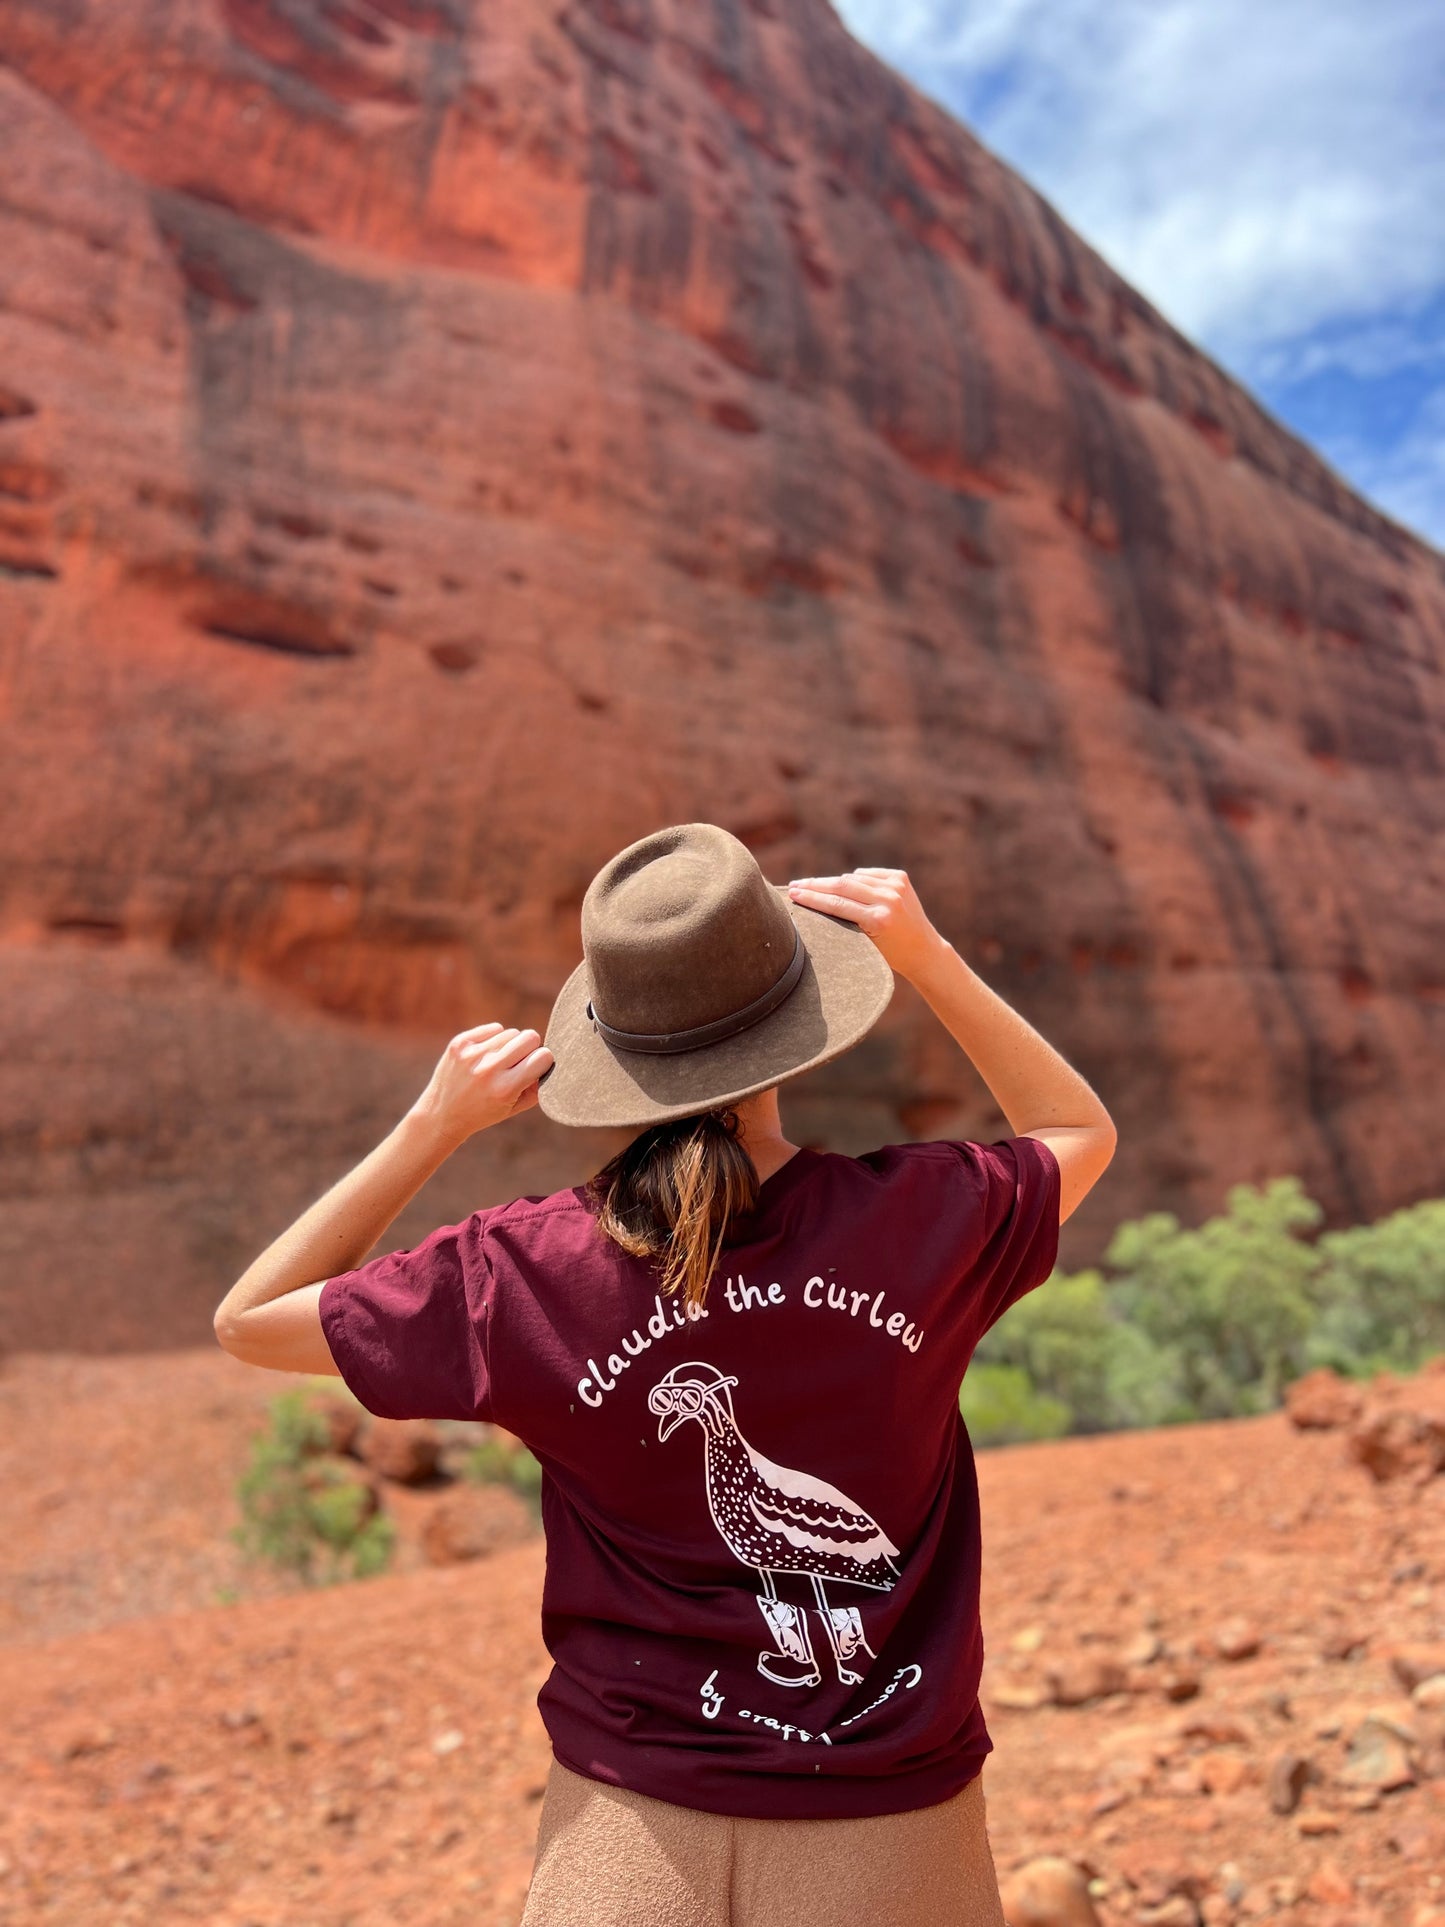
<point>794,1664</point>
<point>845,1631</point>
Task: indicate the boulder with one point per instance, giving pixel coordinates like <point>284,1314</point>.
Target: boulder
<point>344,1418</point>
<point>405,1450</point>
<point>1322,1401</point>
<point>1393,1442</point>
<point>472,1521</point>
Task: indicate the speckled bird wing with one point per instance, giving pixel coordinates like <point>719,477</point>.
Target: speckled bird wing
<point>809,1512</point>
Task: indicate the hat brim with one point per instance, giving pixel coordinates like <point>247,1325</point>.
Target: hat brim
<point>845,988</point>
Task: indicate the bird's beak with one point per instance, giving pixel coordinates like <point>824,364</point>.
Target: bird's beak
<point>670,1423</point>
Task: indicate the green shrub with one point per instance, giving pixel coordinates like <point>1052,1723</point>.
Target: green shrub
<point>1213,1322</point>
<point>1232,1301</point>
<point>1001,1407</point>
<point>303,1513</point>
<point>1072,1345</point>
<point>1382,1287</point>
<point>499,1461</point>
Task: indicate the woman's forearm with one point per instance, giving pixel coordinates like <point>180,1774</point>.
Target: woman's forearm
<point>269,1317</point>
<point>1034,1086</point>
<point>334,1234</point>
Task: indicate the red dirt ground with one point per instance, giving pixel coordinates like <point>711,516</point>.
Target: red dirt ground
<point>372,1753</point>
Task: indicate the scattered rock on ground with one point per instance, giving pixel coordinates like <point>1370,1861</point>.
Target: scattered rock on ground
<point>1018,1695</point>
<point>1048,1892</point>
<point>1179,1683</point>
<point>1076,1680</point>
<point>1217,1725</point>
<point>1096,1782</point>
<point>1223,1772</point>
<point>1413,1664</point>
<point>1316,1821</point>
<point>1236,1639</point>
<point>1380,1754</point>
<point>1142,1650</point>
<point>1330,1883</point>
<point>1289,1775</point>
<point>1178,1911</point>
<point>1343,1642</point>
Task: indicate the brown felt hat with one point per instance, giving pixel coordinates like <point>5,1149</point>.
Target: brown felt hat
<point>700,983</point>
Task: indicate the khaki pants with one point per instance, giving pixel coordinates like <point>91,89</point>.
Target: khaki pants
<point>610,1858</point>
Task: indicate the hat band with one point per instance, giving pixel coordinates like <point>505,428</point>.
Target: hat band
<point>666,1043</point>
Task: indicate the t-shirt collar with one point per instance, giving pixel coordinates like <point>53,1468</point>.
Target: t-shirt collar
<point>776,1187</point>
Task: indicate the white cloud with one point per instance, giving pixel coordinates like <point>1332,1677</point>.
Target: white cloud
<point>1257,168</point>
<point>1368,351</point>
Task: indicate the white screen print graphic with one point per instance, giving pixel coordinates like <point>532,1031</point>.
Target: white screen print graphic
<point>778,1520</point>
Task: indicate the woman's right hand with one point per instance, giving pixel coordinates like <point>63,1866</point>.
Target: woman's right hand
<point>885,905</point>
<point>484,1075</point>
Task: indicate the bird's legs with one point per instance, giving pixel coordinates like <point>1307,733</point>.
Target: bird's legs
<point>844,1626</point>
<point>794,1663</point>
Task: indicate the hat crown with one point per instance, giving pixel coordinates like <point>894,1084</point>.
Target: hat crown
<point>682,929</point>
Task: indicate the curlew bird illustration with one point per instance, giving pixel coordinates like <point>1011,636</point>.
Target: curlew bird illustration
<point>778,1520</point>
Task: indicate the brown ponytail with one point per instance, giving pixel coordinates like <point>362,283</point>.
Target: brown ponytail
<point>671,1194</point>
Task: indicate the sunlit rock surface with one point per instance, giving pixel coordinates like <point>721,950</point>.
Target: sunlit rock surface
<point>439,444</point>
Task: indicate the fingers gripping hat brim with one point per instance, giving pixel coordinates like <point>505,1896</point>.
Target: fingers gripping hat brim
<point>844,989</point>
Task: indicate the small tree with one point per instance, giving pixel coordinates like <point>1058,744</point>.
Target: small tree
<point>303,1512</point>
<point>1233,1301</point>
<point>1213,1322</point>
<point>1382,1288</point>
<point>1070,1339</point>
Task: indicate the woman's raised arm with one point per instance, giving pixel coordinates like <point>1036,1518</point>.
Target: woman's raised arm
<point>270,1315</point>
<point>1037,1090</point>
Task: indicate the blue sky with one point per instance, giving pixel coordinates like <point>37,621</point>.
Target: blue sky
<point>1270,173</point>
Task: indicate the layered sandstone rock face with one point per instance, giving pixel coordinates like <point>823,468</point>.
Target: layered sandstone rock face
<point>440,443</point>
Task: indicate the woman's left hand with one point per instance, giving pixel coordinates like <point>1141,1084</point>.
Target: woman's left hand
<point>885,905</point>
<point>483,1076</point>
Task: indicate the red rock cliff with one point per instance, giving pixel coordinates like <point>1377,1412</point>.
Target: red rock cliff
<point>439,443</point>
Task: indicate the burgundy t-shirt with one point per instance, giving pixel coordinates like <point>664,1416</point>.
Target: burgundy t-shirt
<point>762,1524</point>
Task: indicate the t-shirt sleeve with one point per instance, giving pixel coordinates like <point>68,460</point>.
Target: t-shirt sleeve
<point>410,1332</point>
<point>1014,1241</point>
